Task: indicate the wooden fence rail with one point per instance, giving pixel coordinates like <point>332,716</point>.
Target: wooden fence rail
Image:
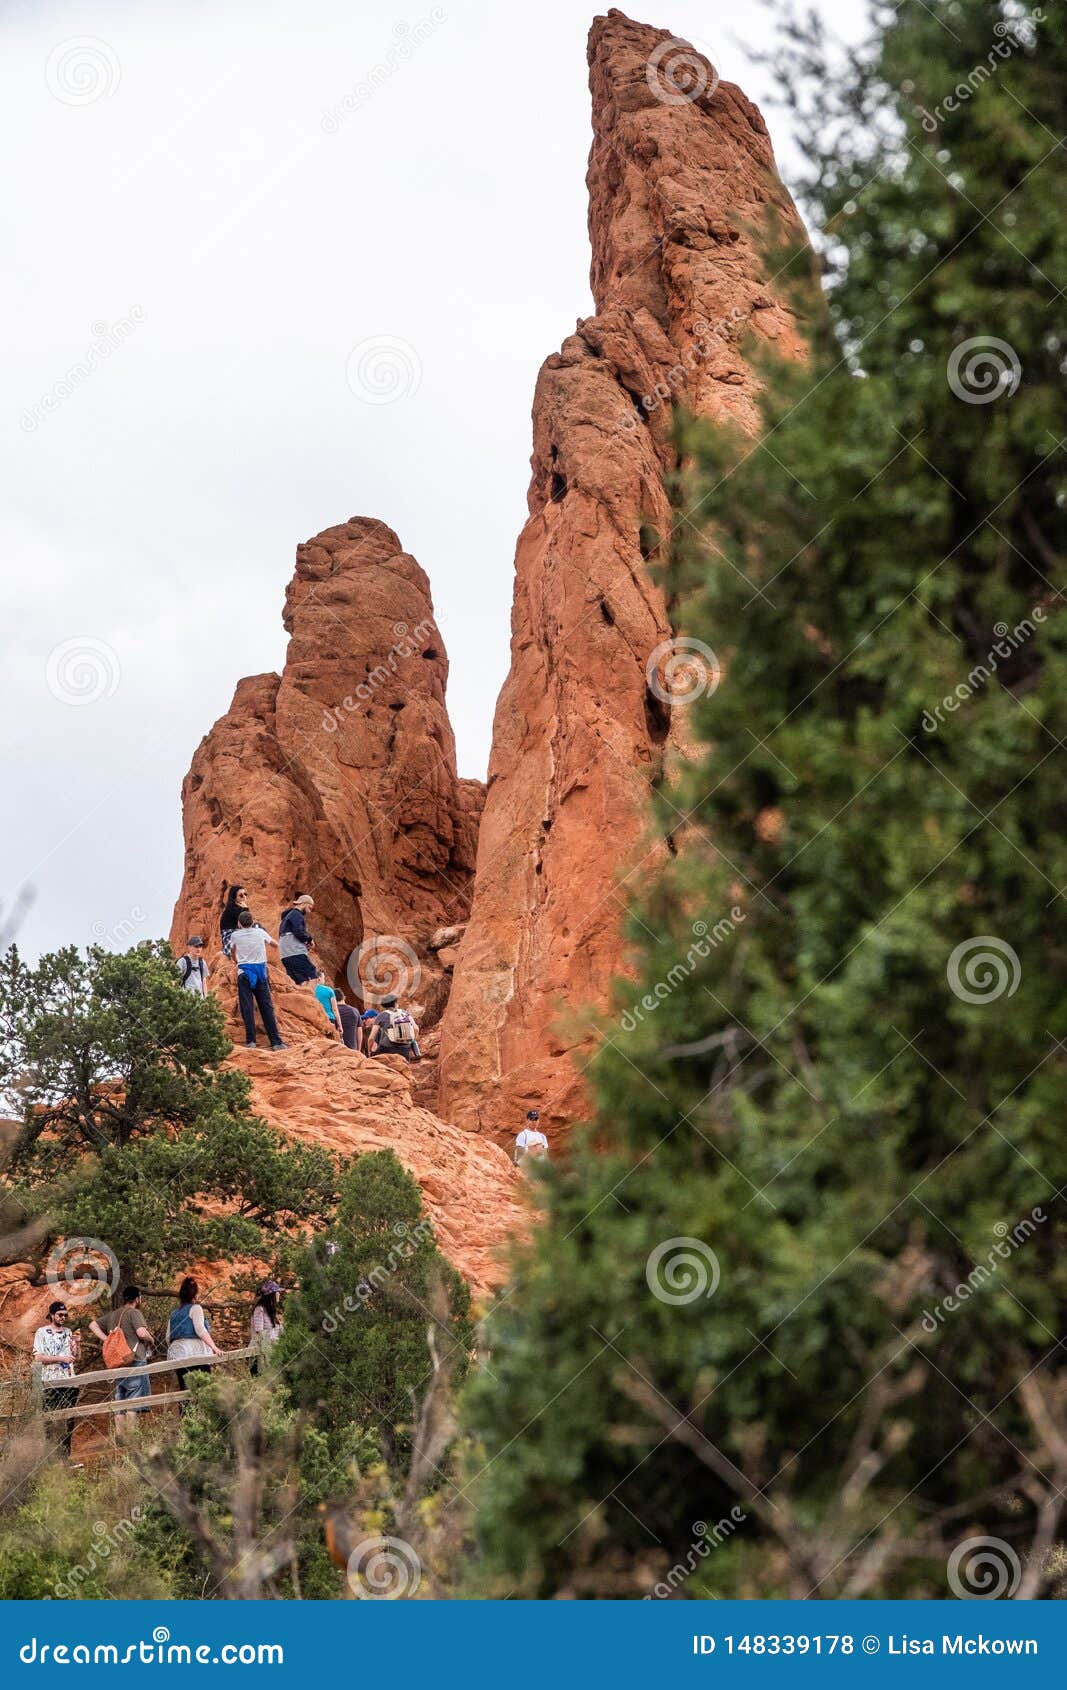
<point>108,1375</point>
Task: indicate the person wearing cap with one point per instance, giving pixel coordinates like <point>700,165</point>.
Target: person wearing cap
<point>531,1141</point>
<point>192,968</point>
<point>266,1320</point>
<point>388,1023</point>
<point>295,942</point>
<point>56,1350</point>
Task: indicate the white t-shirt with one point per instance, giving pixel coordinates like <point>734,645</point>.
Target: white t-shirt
<point>196,976</point>
<point>530,1139</point>
<point>56,1349</point>
<point>249,944</point>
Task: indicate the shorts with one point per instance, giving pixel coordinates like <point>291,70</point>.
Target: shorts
<point>300,968</point>
<point>137,1385</point>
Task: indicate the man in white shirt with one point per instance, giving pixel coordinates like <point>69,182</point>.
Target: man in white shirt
<point>531,1141</point>
<point>56,1349</point>
<point>248,949</point>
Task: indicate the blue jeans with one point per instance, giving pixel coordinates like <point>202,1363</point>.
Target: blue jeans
<point>138,1385</point>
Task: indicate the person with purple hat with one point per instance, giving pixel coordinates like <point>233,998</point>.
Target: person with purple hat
<point>266,1320</point>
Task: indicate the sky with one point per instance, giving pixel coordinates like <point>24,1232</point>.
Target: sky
<point>272,266</point>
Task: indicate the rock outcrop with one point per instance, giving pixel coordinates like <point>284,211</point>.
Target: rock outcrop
<point>338,777</point>
<point>682,185</point>
<point>324,1095</point>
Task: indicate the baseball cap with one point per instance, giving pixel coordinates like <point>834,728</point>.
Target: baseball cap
<point>194,939</point>
<point>268,1286</point>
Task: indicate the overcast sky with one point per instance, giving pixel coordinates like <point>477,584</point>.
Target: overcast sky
<point>212,207</point>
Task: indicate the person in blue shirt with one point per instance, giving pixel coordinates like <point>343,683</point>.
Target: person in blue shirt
<point>328,999</point>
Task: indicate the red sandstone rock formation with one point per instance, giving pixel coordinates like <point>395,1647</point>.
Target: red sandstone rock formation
<point>351,1103</point>
<point>681,183</point>
<point>338,777</point>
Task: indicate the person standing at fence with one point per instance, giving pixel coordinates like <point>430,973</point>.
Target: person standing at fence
<point>56,1348</point>
<point>266,1326</point>
<point>126,1340</point>
<point>189,1332</point>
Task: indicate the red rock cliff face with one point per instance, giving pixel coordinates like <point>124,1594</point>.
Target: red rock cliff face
<point>681,181</point>
<point>338,777</point>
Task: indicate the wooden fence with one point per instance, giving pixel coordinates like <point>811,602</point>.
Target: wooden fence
<point>110,1375</point>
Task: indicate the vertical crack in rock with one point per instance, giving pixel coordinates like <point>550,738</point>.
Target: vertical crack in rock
<point>677,193</point>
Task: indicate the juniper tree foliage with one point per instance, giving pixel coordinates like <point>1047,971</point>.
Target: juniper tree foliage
<point>354,1351</point>
<point>131,1133</point>
<point>819,1273</point>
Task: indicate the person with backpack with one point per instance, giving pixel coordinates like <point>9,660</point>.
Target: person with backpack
<point>56,1350</point>
<point>236,901</point>
<point>126,1340</point>
<point>192,969</point>
<point>531,1141</point>
<point>248,948</point>
<point>294,941</point>
<point>394,1032</point>
<point>189,1333</point>
<point>328,999</point>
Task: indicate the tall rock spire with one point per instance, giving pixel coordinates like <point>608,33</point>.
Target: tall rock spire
<point>681,183</point>
<point>338,777</point>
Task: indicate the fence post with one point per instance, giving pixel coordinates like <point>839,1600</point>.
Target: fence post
<point>36,1388</point>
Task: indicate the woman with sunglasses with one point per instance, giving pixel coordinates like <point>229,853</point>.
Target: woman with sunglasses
<point>236,901</point>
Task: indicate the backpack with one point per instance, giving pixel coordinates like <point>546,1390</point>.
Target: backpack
<point>399,1029</point>
<point>117,1352</point>
<point>186,966</point>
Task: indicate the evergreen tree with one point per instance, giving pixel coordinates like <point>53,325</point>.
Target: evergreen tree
<point>817,1277</point>
<point>354,1350</point>
<point>131,1135</point>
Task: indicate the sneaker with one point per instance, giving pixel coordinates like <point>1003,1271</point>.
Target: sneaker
<point>250,1044</point>
<point>279,1047</point>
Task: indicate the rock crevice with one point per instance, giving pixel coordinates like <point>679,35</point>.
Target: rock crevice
<point>681,193</point>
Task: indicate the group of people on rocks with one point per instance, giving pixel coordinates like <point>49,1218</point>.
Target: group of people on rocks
<point>386,1029</point>
<point>128,1341</point>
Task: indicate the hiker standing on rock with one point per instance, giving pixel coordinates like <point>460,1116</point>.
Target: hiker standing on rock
<point>294,941</point>
<point>328,999</point>
<point>394,1032</point>
<point>236,902</point>
<point>126,1340</point>
<point>248,947</point>
<point>192,969</point>
<point>350,1022</point>
<point>531,1141</point>
<point>56,1348</point>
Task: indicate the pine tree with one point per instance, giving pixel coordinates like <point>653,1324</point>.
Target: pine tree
<point>132,1136</point>
<point>796,1329</point>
